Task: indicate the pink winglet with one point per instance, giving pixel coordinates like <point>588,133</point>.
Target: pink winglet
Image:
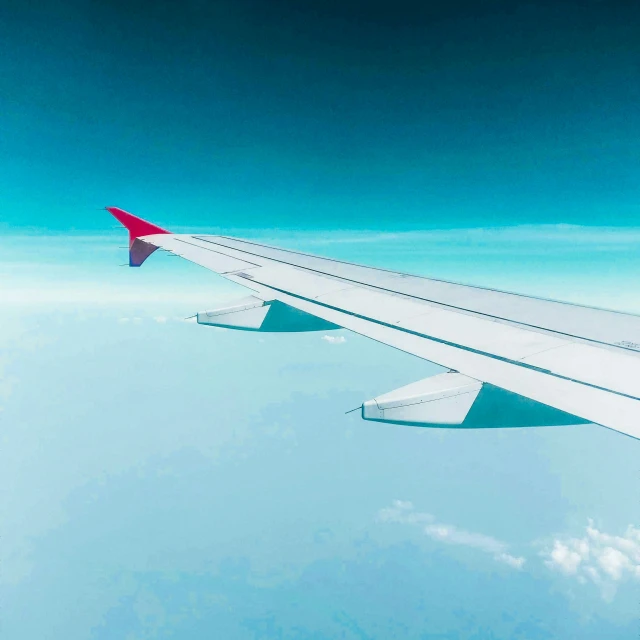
<point>138,251</point>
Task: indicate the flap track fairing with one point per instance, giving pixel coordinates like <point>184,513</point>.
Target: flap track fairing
<point>453,400</point>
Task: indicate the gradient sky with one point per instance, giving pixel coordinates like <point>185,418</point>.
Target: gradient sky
<point>162,479</point>
<point>321,114</point>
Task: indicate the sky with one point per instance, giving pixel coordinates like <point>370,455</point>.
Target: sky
<point>162,479</point>
<point>319,114</point>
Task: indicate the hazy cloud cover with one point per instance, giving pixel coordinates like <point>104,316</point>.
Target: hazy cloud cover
<point>334,339</point>
<point>566,236</point>
<point>85,270</point>
<point>142,459</point>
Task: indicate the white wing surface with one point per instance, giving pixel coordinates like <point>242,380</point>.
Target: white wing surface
<point>579,360</point>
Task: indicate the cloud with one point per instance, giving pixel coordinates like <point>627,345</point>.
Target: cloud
<point>334,339</point>
<point>597,557</point>
<point>453,535</point>
<point>563,558</point>
<point>517,562</point>
<point>403,512</point>
<point>160,319</point>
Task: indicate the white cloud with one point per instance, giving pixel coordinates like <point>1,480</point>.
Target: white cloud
<point>614,563</point>
<point>516,562</point>
<point>563,558</point>
<point>450,533</point>
<point>403,512</point>
<point>334,339</point>
<point>160,319</point>
<point>597,557</point>
<point>453,535</point>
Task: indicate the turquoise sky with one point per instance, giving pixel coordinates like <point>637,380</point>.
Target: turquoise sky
<point>167,480</point>
<point>348,115</point>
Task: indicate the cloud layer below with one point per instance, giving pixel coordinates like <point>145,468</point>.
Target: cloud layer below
<point>598,558</point>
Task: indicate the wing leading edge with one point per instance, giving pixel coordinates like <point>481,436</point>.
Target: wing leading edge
<point>580,361</point>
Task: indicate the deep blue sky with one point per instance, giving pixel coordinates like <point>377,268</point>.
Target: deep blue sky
<point>320,114</point>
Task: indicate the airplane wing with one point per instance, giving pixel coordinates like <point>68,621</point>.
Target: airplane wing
<point>513,360</point>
